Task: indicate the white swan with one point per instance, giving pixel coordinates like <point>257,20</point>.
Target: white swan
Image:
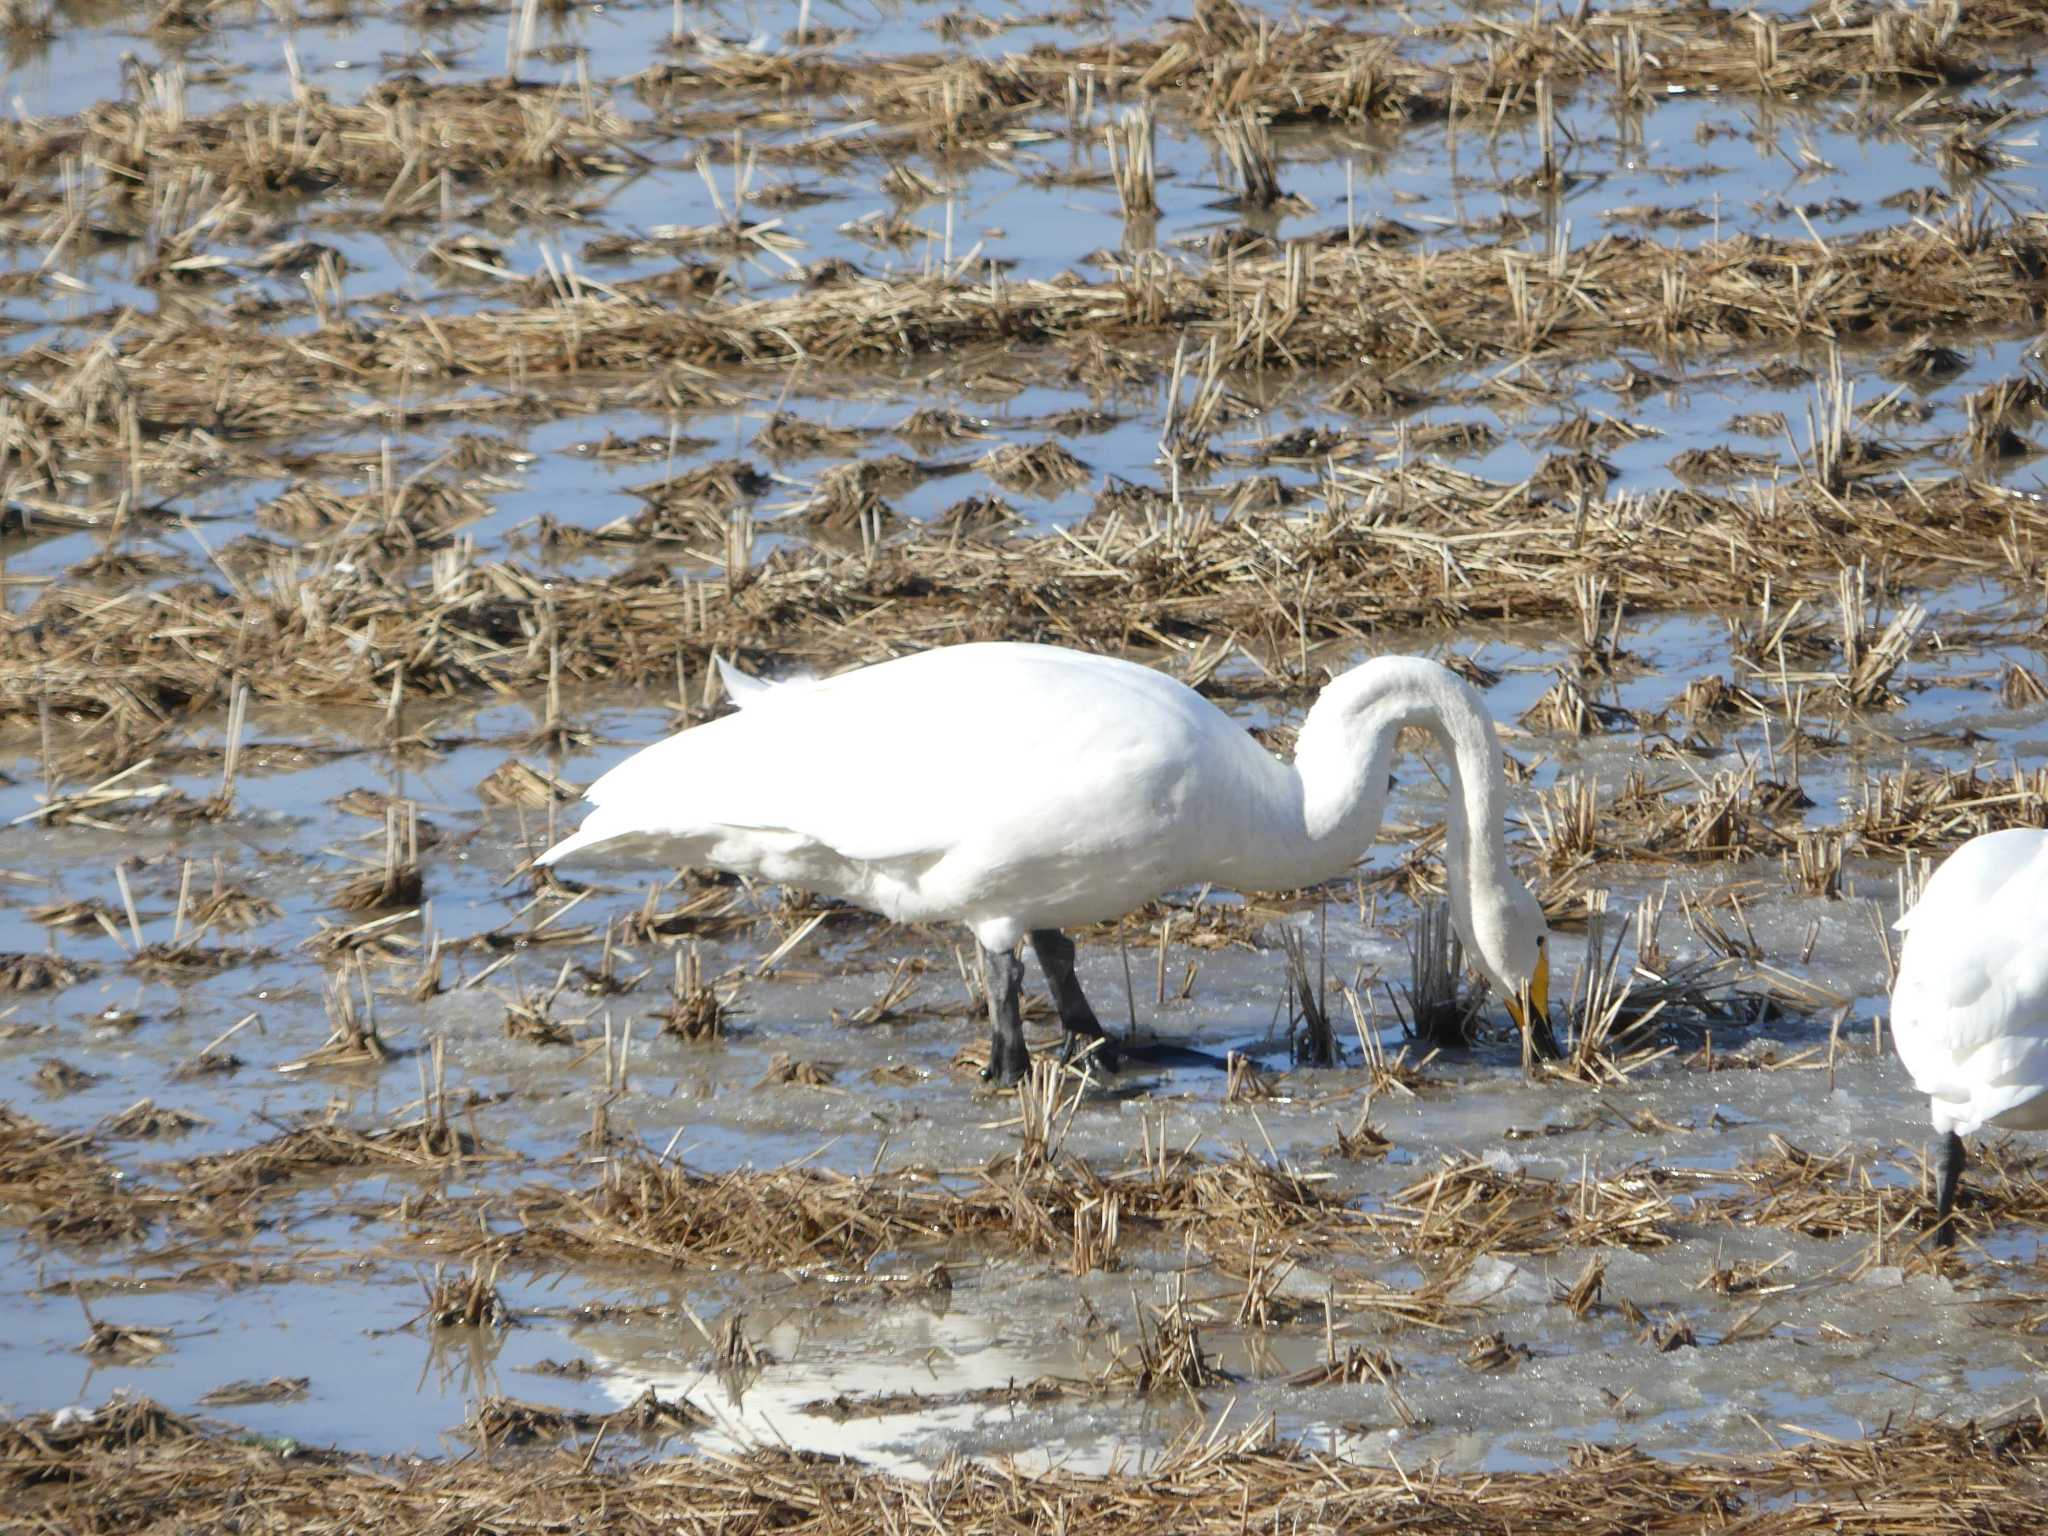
<point>1970,1007</point>
<point>1021,789</point>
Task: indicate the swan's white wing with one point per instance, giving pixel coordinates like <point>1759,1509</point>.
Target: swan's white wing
<point>1970,1010</point>
<point>1017,751</point>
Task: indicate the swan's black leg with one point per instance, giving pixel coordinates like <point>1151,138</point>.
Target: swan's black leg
<point>1008,1060</point>
<point>1951,1175</point>
<point>1055,953</point>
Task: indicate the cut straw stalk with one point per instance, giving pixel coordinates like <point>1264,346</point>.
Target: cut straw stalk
<point>1129,141</point>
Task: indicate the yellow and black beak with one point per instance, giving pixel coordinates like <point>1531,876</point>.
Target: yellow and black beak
<point>1530,1009</point>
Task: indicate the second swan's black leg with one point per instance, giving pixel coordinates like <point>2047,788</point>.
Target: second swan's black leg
<point>1055,953</point>
<point>1951,1175</point>
<point>1008,1059</point>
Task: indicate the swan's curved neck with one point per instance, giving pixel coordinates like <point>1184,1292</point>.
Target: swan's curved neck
<point>1343,754</point>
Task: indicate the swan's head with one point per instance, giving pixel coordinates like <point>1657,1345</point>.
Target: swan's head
<point>1510,942</point>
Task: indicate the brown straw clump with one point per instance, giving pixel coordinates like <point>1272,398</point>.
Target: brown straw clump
<point>146,1120</point>
<point>1312,1041</point>
<point>1730,815</point>
<point>1886,1197</point>
<point>1015,1394</point>
<point>122,1343</point>
<point>1039,469</point>
<point>504,1422</point>
<point>1227,62</point>
<point>238,1394</point>
<point>397,139</point>
<point>1998,410</point>
<point>697,1010</point>
<point>428,1143</point>
<point>353,1039</point>
<point>56,1077</point>
<point>1248,149</point>
<point>232,909</point>
<point>59,1187</point>
<point>513,783</point>
<point>531,1018</point>
<point>1929,809</point>
<point>805,1219</point>
<point>397,881</point>
<point>1297,307</point>
<point>1130,140</point>
<point>1376,547</point>
<point>465,1300</point>
<point>1607,1030</point>
<point>2021,687</point>
<point>1470,1207</point>
<point>1167,1357</point>
<point>40,973</point>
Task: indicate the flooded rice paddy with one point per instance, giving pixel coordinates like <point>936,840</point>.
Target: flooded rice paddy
<point>400,406</point>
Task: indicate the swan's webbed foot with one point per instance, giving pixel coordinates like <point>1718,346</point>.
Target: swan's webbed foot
<point>1055,953</point>
<point>1101,1049</point>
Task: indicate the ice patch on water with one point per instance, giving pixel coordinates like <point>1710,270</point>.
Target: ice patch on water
<point>1494,1281</point>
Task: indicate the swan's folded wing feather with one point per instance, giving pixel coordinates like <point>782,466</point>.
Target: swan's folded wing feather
<point>1979,876</point>
<point>768,769</point>
<point>1017,753</point>
<point>2008,1073</point>
<point>1970,1009</point>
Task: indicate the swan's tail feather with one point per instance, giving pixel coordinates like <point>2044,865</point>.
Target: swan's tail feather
<point>740,688</point>
<point>745,691</point>
<point>593,831</point>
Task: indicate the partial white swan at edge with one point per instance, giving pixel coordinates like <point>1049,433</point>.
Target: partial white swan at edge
<point>1970,1007</point>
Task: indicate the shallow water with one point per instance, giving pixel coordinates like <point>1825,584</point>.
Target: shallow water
<point>1860,1347</point>
<point>1850,1343</point>
<point>1690,167</point>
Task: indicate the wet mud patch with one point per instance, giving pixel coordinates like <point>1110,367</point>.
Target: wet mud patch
<point>385,451</point>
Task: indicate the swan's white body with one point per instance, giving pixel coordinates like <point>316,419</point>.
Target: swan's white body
<point>1970,1009</point>
<point>1024,787</point>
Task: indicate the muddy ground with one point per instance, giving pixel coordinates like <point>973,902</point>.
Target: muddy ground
<point>398,408</point>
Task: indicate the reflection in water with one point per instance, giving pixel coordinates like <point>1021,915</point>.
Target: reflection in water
<point>829,1371</point>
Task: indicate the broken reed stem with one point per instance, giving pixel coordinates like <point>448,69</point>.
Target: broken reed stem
<point>1130,140</point>
<point>1247,146</point>
<point>128,903</point>
<point>1436,1014</point>
<point>1312,1039</point>
<point>231,759</point>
